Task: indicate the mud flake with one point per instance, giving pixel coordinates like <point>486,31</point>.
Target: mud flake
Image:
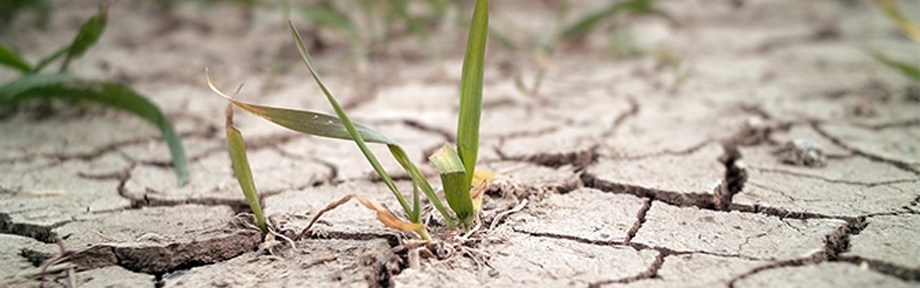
<point>889,238</point>
<point>186,235</point>
<point>732,233</point>
<point>826,274</point>
<point>52,195</point>
<point>786,193</point>
<point>686,270</point>
<point>356,264</point>
<point>588,214</point>
<point>212,181</point>
<point>534,260</point>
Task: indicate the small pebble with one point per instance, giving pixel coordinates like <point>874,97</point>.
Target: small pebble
<point>800,152</point>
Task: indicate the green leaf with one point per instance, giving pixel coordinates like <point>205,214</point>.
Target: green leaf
<point>349,126</point>
<point>456,189</point>
<point>397,151</point>
<point>588,23</point>
<point>319,124</point>
<point>908,70</point>
<point>66,86</point>
<point>15,91</point>
<point>89,34</point>
<point>50,58</point>
<point>237,149</point>
<point>400,6</point>
<point>471,90</point>
<point>10,58</point>
<point>326,15</point>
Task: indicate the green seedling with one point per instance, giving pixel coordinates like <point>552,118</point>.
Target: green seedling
<point>457,166</point>
<point>591,21</point>
<point>62,85</point>
<point>909,29</point>
<point>373,25</point>
<point>241,169</point>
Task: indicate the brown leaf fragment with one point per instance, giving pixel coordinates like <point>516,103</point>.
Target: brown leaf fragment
<point>385,216</point>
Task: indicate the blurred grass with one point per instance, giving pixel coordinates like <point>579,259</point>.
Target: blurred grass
<point>33,84</point>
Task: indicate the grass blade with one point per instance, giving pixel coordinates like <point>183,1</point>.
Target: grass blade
<point>419,179</point>
<point>306,122</point>
<point>65,86</point>
<point>15,91</point>
<point>325,15</point>
<point>400,6</point>
<point>89,33</point>
<point>456,189</point>
<point>471,90</point>
<point>908,70</point>
<point>907,27</point>
<point>352,130</point>
<point>241,169</point>
<point>11,59</point>
<point>349,126</point>
<point>319,124</point>
<point>588,23</point>
<point>50,58</point>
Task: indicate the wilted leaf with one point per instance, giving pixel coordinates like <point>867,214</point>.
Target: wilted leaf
<point>385,216</point>
<point>241,169</point>
<point>329,126</point>
<point>483,176</point>
<point>907,27</point>
<point>476,196</point>
<point>481,181</point>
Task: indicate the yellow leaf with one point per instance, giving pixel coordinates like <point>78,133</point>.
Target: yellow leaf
<point>483,176</point>
<point>385,216</point>
<point>476,195</point>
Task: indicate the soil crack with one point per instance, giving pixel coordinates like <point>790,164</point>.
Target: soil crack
<point>897,164</point>
<point>652,272</point>
<point>578,159</point>
<point>640,219</point>
<point>41,233</point>
<point>735,177</point>
<point>829,180</point>
<point>631,113</point>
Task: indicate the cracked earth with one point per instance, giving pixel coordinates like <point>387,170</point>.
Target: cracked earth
<point>786,158</point>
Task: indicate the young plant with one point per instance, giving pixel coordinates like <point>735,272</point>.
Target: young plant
<point>369,29</point>
<point>457,166</point>
<point>589,22</point>
<point>63,85</point>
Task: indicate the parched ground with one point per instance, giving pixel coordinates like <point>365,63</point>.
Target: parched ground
<point>617,161</point>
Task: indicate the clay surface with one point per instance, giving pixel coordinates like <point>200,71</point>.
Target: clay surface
<point>610,174</point>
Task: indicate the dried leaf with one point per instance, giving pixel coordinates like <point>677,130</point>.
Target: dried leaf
<point>481,176</point>
<point>385,216</point>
